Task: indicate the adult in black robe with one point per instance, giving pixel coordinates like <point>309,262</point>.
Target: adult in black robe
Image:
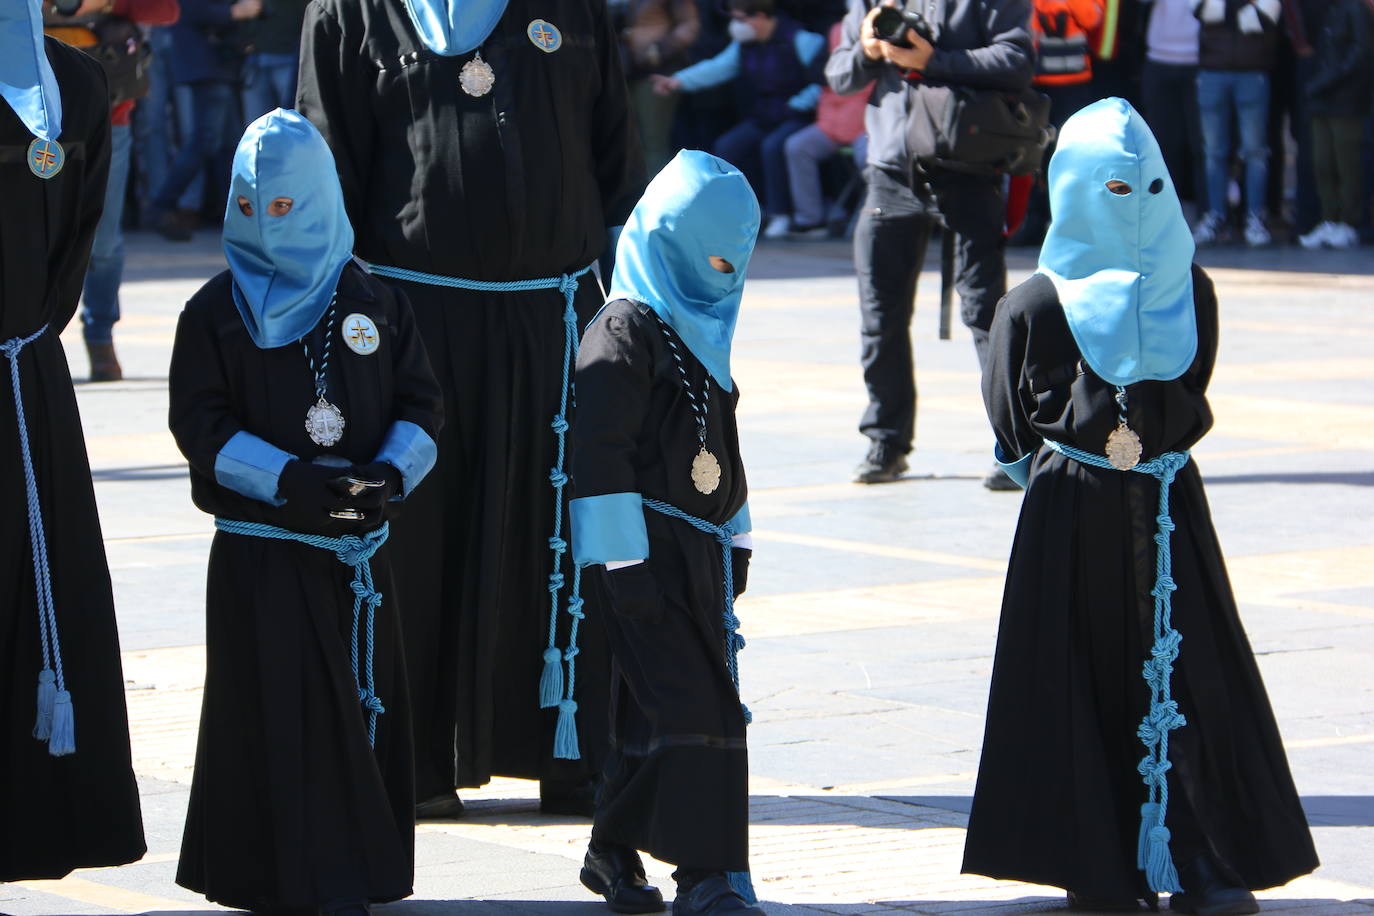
<point>79,810</point>
<point>293,804</point>
<point>1059,797</point>
<point>676,782</point>
<point>517,184</point>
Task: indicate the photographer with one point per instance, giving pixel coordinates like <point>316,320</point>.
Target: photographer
<point>982,44</point>
<point>108,30</point>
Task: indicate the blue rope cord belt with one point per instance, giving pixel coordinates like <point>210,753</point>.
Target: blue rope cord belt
<point>554,689</point>
<point>1152,847</point>
<point>55,722</point>
<point>739,880</point>
<point>354,551</point>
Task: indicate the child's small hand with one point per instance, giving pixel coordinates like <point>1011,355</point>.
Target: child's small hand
<point>665,85</point>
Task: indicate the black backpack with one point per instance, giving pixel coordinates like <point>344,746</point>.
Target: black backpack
<point>979,131</point>
<point>117,44</point>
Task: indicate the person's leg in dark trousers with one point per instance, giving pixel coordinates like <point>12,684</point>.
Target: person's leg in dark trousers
<point>1347,138</point>
<point>777,195</point>
<point>1064,102</point>
<point>211,101</point>
<point>890,241</point>
<point>1170,90</point>
<point>739,146</point>
<point>974,209</point>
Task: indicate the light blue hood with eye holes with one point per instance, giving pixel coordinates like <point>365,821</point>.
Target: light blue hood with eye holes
<point>27,83</point>
<point>285,267</point>
<point>1122,264</point>
<point>698,206</point>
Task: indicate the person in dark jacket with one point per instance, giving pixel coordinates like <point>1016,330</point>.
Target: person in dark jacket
<point>205,58</point>
<point>269,72</point>
<point>984,44</point>
<point>1338,99</point>
<point>1236,50</point>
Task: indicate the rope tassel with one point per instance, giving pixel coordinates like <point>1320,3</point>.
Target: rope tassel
<point>47,696</point>
<point>63,740</point>
<point>565,735</point>
<point>551,680</point>
<point>1159,864</point>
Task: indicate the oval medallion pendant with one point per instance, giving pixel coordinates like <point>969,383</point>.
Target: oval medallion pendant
<point>325,423</point>
<point>705,472</point>
<point>1123,448</point>
<point>477,77</point>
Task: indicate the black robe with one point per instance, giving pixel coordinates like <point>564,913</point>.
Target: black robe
<point>677,781</point>
<point>289,805</point>
<point>1058,796</point>
<point>56,813</point>
<point>519,184</point>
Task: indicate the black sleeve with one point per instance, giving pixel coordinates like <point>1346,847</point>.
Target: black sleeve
<point>334,94</point>
<point>199,414</point>
<point>614,379</point>
<point>417,397</point>
<point>848,70</point>
<point>1003,384</point>
<point>1205,306</point>
<point>619,156</point>
<point>1005,62</point>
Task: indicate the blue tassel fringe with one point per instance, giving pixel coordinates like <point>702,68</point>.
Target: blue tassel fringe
<point>1149,817</point>
<point>551,681</point>
<point>63,740</point>
<point>565,735</point>
<point>47,696</point>
<point>1159,865</point>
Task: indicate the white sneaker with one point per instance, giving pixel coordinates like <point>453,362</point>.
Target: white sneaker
<point>1255,233</point>
<point>1343,235</point>
<point>776,228</point>
<point>1319,236</point>
<point>1209,231</point>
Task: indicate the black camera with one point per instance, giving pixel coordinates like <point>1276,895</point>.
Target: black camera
<point>66,7</point>
<point>892,22</point>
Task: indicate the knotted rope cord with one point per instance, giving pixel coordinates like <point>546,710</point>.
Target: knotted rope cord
<point>554,688</point>
<point>321,377</point>
<point>1152,848</point>
<point>355,551</point>
<point>739,880</point>
<point>54,722</point>
<point>700,406</point>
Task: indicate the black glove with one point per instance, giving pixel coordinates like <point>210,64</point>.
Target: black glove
<point>739,566</point>
<point>635,594</point>
<point>352,482</point>
<point>311,494</point>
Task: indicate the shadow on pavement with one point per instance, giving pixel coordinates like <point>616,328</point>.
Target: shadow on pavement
<point>1322,810</point>
<point>1346,478</point>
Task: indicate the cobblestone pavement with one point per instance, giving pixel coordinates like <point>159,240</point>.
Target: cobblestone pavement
<point>871,613</point>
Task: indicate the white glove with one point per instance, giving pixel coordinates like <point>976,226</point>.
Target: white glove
<point>1210,11</point>
<point>1248,20</point>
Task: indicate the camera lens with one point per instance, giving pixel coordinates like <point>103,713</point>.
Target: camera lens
<point>66,7</point>
<point>890,25</point>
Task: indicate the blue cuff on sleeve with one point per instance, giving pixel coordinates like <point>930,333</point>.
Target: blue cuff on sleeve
<point>1018,470</point>
<point>741,523</point>
<point>251,466</point>
<point>410,450</point>
<point>609,527</point>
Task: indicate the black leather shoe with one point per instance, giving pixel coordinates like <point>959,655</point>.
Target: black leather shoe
<point>712,896</point>
<point>617,874</point>
<point>884,463</point>
<point>446,807</point>
<point>1210,890</point>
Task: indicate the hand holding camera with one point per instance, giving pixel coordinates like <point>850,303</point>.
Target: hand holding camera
<point>899,35</point>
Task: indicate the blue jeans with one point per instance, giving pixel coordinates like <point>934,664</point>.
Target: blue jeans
<point>753,148</point>
<point>212,103</point>
<point>269,82</point>
<point>1246,93</point>
<point>106,269</point>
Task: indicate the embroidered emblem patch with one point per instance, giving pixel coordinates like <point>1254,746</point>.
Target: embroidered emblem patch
<point>545,36</point>
<point>360,334</point>
<point>46,158</point>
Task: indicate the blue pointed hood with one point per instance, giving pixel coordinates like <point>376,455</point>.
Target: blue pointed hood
<point>27,83</point>
<point>452,27</point>
<point>285,267</point>
<point>1122,264</point>
<point>698,206</point>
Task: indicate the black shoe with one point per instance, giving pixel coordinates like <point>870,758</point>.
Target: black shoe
<point>104,364</point>
<point>999,480</point>
<point>575,797</point>
<point>1210,890</point>
<point>617,874</point>
<point>445,807</point>
<point>712,896</point>
<point>884,463</point>
<point>1091,904</point>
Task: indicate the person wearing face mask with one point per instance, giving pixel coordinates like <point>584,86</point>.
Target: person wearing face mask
<point>304,402</point>
<point>67,793</point>
<point>660,532</point>
<point>776,67</point>
<point>1096,386</point>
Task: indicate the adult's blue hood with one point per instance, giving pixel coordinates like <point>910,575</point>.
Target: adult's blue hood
<point>285,267</point>
<point>697,207</point>
<point>27,83</point>
<point>1122,263</point>
<point>452,27</point>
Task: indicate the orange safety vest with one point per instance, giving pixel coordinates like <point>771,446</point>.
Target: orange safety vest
<point>1061,30</point>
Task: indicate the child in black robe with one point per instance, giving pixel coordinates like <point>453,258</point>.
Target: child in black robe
<point>660,526</point>
<point>302,398</point>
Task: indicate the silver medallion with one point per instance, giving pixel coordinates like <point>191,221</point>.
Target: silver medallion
<point>477,77</point>
<point>705,472</point>
<point>1123,448</point>
<point>325,423</point>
